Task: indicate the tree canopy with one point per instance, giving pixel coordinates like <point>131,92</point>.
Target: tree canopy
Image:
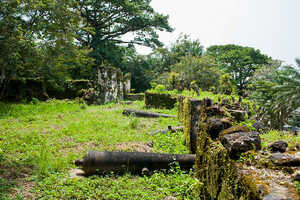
<point>240,62</point>
<point>278,93</point>
<point>107,24</point>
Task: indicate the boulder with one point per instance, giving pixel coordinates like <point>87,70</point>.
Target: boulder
<point>235,129</point>
<point>284,159</point>
<point>241,142</point>
<point>296,176</point>
<point>238,115</point>
<point>214,110</point>
<point>216,126</point>
<point>278,146</point>
<point>260,127</point>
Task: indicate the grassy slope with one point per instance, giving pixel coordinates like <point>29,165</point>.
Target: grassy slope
<point>39,143</point>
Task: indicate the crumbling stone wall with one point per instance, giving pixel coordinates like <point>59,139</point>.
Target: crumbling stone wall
<point>219,176</point>
<point>112,85</point>
<point>127,83</point>
<point>158,100</point>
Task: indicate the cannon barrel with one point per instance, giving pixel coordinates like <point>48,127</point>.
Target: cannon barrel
<point>135,162</point>
<point>139,113</point>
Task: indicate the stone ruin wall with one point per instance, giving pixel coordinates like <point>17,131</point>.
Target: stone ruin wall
<point>210,133</point>
<point>112,85</point>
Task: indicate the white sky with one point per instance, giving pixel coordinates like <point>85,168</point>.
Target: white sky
<point>269,25</point>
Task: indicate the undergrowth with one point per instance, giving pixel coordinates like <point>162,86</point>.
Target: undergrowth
<point>39,142</point>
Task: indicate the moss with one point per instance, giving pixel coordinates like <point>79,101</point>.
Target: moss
<point>191,114</point>
<point>135,97</point>
<point>158,100</point>
<point>220,178</point>
<point>187,121</point>
<point>256,188</point>
<point>180,101</point>
<point>214,170</point>
<point>217,174</point>
<point>234,129</point>
<point>127,76</point>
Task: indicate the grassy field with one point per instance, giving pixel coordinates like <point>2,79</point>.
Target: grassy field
<point>39,142</point>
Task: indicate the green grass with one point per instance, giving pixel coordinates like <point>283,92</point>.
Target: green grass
<point>39,142</point>
<point>274,135</point>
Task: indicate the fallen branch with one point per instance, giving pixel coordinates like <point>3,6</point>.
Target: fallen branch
<point>139,113</point>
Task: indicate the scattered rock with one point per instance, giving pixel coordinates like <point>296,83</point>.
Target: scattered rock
<point>262,189</point>
<point>145,171</point>
<point>76,173</point>
<point>281,159</point>
<point>241,142</point>
<point>296,176</point>
<point>260,127</point>
<point>279,146</point>
<point>279,192</point>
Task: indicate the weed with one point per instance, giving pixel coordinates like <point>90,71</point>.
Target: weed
<point>297,186</point>
<point>34,101</point>
<point>274,135</point>
<point>48,136</point>
<point>133,121</point>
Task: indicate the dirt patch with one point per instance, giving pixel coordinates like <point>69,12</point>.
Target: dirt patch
<point>79,148</point>
<point>25,191</point>
<point>134,147</point>
<point>18,178</point>
<point>76,173</point>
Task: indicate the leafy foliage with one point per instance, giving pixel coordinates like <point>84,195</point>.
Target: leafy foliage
<point>105,22</point>
<point>278,95</point>
<point>193,72</point>
<point>37,40</point>
<point>240,62</point>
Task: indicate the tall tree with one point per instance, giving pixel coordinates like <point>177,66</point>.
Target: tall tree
<point>107,22</point>
<point>240,62</point>
<point>30,30</point>
<point>168,56</point>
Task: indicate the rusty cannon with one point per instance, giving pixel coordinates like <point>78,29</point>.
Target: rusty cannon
<point>135,162</point>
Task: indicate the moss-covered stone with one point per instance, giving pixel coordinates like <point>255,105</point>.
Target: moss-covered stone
<point>159,100</point>
<point>219,176</point>
<point>180,100</point>
<point>235,129</point>
<point>135,97</point>
<point>191,110</point>
<point>110,85</point>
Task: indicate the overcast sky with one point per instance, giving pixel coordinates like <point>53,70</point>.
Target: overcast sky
<point>273,26</point>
